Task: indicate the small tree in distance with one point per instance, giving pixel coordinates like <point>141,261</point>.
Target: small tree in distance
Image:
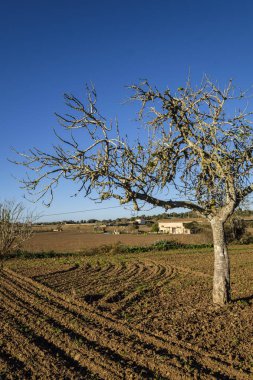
<point>15,228</point>
<point>191,143</point>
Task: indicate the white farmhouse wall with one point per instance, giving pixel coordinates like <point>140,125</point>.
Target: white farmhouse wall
<point>173,228</point>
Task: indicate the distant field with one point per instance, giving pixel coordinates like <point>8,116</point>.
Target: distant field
<point>131,316</point>
<point>76,241</point>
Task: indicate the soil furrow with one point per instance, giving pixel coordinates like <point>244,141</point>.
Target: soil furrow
<point>127,291</point>
<point>173,347</point>
<point>134,295</point>
<point>65,280</point>
<point>192,272</point>
<point>77,279</point>
<point>83,356</point>
<point>109,343</point>
<point>58,273</point>
<point>46,357</point>
<point>26,355</point>
<point>10,367</point>
<point>109,320</point>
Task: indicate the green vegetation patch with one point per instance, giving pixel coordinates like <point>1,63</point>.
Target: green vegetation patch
<point>163,245</point>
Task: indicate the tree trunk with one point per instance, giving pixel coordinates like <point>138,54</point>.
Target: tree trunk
<point>221,279</point>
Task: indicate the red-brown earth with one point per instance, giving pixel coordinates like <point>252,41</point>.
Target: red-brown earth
<point>126,316</point>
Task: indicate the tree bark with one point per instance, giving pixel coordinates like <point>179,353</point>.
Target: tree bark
<point>221,279</point>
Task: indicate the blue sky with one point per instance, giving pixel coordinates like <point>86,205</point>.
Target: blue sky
<point>52,47</point>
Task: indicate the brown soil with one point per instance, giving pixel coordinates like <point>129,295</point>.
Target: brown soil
<point>76,241</point>
<point>146,316</point>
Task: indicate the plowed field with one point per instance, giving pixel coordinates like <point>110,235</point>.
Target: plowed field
<point>146,316</point>
<point>77,241</point>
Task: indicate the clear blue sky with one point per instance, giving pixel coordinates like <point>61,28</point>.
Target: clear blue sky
<point>52,47</point>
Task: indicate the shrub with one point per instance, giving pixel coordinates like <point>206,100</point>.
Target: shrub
<point>155,227</point>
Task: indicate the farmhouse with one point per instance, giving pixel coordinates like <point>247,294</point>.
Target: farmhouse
<point>173,227</point>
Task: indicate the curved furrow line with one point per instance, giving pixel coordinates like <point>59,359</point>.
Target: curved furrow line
<point>153,270</point>
<point>33,359</point>
<point>139,359</point>
<point>173,274</point>
<point>42,271</point>
<point>81,283</point>
<point>155,366</point>
<point>162,270</point>
<point>118,272</point>
<point>82,279</point>
<point>127,290</point>
<point>166,273</point>
<point>78,348</point>
<point>161,274</point>
<point>137,294</point>
<point>160,366</point>
<point>81,309</point>
<point>122,285</point>
<point>134,295</point>
<point>158,271</point>
<point>60,280</point>
<point>148,273</point>
<point>129,271</point>
<point>142,362</point>
<point>105,270</point>
<point>99,279</point>
<point>116,289</point>
<point>115,270</point>
<point>54,274</point>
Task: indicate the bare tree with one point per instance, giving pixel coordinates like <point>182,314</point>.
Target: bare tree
<point>192,143</point>
<point>15,228</point>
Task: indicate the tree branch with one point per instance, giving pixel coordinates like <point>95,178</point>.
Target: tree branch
<point>168,204</point>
